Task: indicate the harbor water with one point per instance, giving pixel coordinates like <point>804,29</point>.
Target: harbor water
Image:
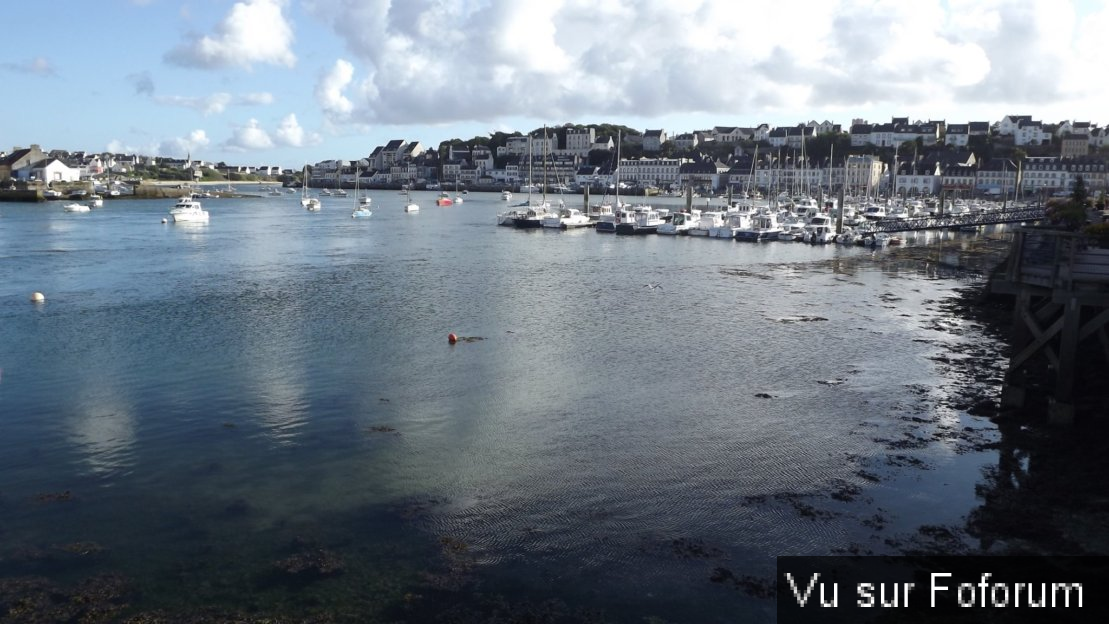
<point>263,415</point>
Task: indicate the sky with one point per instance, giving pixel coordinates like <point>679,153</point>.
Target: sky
<point>290,82</point>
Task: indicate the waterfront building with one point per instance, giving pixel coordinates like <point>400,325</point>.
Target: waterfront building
<point>917,178</point>
<point>998,176</point>
<point>660,172</point>
<point>863,172</point>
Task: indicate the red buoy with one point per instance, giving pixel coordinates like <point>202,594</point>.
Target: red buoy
<point>451,338</point>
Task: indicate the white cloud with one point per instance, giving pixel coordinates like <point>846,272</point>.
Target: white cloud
<point>290,133</point>
<point>177,147</point>
<point>254,31</point>
<point>459,60</point>
<point>261,98</point>
<point>215,103</point>
<point>329,90</point>
<point>208,105</point>
<point>248,137</point>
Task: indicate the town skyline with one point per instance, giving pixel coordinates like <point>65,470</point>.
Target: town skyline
<point>284,82</point>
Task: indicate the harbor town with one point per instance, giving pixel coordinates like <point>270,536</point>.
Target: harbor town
<point>1013,157</point>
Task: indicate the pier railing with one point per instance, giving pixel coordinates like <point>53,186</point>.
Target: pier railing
<point>1015,215</point>
<point>1058,260</point>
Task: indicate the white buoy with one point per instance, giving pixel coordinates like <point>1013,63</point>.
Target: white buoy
<point>163,220</point>
<point>37,297</point>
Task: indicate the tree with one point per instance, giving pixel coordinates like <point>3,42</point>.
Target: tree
<point>1080,196</point>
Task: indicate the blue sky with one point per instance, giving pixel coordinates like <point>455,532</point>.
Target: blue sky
<point>287,82</point>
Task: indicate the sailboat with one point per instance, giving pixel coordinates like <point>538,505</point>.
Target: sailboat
<point>362,204</point>
<point>535,213</point>
<point>410,206</point>
<point>607,222</point>
<point>457,197</point>
<point>311,204</point>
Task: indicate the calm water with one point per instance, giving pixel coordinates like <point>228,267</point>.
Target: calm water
<point>210,400</point>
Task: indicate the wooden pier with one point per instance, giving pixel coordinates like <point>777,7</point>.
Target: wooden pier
<point>1061,283</point>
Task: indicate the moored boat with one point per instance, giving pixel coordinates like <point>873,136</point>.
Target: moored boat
<point>709,220</point>
<point>567,219</point>
<point>680,223</point>
<point>644,220</point>
<point>188,210</point>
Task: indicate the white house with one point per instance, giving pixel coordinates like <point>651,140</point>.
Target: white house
<point>1030,133</point>
<point>1008,124</point>
<point>958,135</point>
<point>49,170</point>
<point>728,134</point>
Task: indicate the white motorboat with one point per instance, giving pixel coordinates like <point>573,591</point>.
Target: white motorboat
<point>188,210</point>
<point>680,224</point>
<point>764,226</point>
<point>506,195</point>
<point>567,219</point>
<point>75,207</point>
<point>820,230</point>
<point>792,232</point>
<point>644,220</point>
<point>96,201</point>
<point>874,212</point>
<point>898,212</point>
<point>733,223</point>
<point>708,221</point>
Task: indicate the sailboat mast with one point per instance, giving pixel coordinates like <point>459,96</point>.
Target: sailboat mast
<point>544,165</point>
<point>616,173</point>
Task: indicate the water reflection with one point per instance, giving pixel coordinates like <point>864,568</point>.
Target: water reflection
<point>103,431</point>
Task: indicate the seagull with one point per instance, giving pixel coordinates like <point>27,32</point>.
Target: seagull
<point>652,286</point>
